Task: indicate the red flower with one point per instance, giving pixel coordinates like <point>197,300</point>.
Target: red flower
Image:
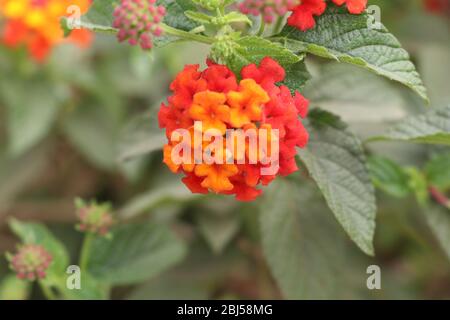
<point>438,6</point>
<point>303,15</point>
<point>354,6</point>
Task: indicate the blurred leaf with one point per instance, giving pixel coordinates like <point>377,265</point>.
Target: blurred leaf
<point>388,176</point>
<point>136,252</point>
<point>437,171</point>
<point>432,127</point>
<point>140,137</point>
<point>12,288</point>
<point>218,223</point>
<point>101,13</point>
<point>90,289</point>
<point>303,245</point>
<point>195,278</point>
<point>252,49</point>
<point>335,159</point>
<point>30,116</point>
<point>16,174</point>
<point>173,192</point>
<point>34,233</point>
<point>358,95</point>
<point>418,184</point>
<point>347,38</point>
<point>438,219</point>
<point>218,231</point>
<point>94,135</point>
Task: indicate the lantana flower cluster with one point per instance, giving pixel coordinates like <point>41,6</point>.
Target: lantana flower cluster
<point>30,262</point>
<point>138,21</point>
<point>36,24</point>
<point>220,101</point>
<point>94,218</point>
<point>303,11</point>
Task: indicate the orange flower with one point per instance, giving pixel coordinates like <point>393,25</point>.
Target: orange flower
<point>217,176</point>
<point>36,23</point>
<point>209,107</point>
<point>246,103</point>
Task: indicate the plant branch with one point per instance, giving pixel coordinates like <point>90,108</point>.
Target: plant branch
<point>278,25</point>
<point>47,291</point>
<point>439,197</point>
<point>262,28</point>
<point>85,251</point>
<point>185,35</point>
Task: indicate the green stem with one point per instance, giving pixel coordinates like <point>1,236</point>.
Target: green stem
<point>262,27</point>
<point>185,35</point>
<point>85,251</point>
<point>48,293</point>
<point>278,25</point>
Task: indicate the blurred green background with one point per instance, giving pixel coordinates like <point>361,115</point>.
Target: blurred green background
<point>84,125</point>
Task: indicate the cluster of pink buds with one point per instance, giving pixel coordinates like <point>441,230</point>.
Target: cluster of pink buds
<point>30,262</point>
<point>269,9</point>
<point>93,217</point>
<point>138,21</point>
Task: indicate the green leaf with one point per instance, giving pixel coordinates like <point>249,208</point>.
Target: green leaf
<point>418,184</point>
<point>140,137</point>
<point>12,288</point>
<point>34,233</point>
<point>234,16</point>
<point>346,37</point>
<point>438,219</point>
<point>191,279</point>
<point>173,192</point>
<point>218,222</point>
<point>30,116</point>
<point>335,159</point>
<point>437,171</point>
<point>90,289</point>
<point>303,245</point>
<point>175,18</point>
<point>100,13</point>
<point>175,14</point>
<point>358,94</point>
<point>388,176</point>
<point>253,49</point>
<point>218,230</point>
<point>16,174</point>
<point>432,127</point>
<point>94,134</point>
<point>296,76</point>
<point>136,252</point>
<point>198,16</point>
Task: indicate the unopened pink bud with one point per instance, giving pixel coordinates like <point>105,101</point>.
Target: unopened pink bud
<point>135,18</point>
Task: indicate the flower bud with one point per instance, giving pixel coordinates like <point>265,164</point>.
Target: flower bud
<point>93,217</point>
<point>138,21</point>
<point>30,262</point>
